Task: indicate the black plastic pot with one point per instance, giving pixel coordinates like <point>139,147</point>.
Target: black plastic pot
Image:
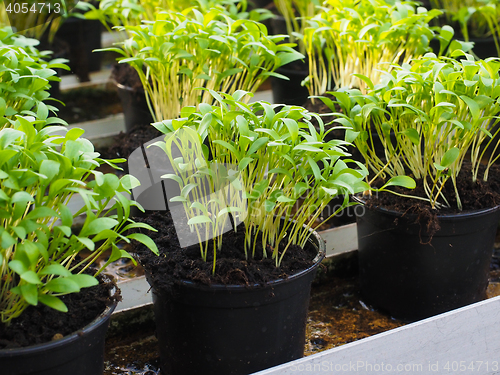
<point>260,3</point>
<point>290,92</point>
<point>135,107</point>
<point>411,275</point>
<point>81,353</point>
<point>233,330</point>
<point>278,25</point>
<point>484,47</point>
<point>83,36</point>
<point>60,50</point>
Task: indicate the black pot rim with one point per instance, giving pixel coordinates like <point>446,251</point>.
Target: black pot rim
<point>69,338</point>
<point>459,216</point>
<point>285,70</point>
<point>235,288</point>
<point>127,88</point>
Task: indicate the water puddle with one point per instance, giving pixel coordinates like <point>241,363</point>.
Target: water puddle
<point>137,358</point>
<point>337,316</point>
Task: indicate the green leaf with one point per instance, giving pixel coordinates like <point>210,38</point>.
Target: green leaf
<point>200,219</point>
<point>307,148</point>
<point>63,229</point>
<point>18,267</point>
<point>178,199</point>
<point>66,215</point>
<point>42,212</point>
<point>187,111</point>
<point>49,168</point>
<point>257,145</point>
<point>21,196</point>
<point>84,281</point>
<point>284,199</point>
<point>30,293</point>
<point>62,285</point>
<point>365,79</point>
<point>473,106</point>
<point>293,128</point>
<point>413,135</point>
<point>403,181</point>
<point>8,135</point>
<point>187,189</point>
<point>447,32</point>
<point>244,163</point>
<point>31,277</point>
<point>139,225</point>
<point>269,205</point>
<point>42,111</point>
<point>7,240</point>
<point>145,240</point>
<point>6,155</point>
<point>230,72</point>
<point>449,157</point>
<point>55,269</point>
<point>53,302</point>
<point>199,206</point>
<point>315,168</point>
<point>174,177</point>
<point>283,171</point>
<point>20,232</point>
<point>97,225</point>
<point>332,192</point>
<point>87,242</point>
<point>126,255</point>
<point>226,145</point>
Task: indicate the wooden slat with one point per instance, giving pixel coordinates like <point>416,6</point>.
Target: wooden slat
<point>135,293</point>
<point>463,341</point>
<point>340,240</point>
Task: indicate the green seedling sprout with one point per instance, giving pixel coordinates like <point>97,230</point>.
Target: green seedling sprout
<point>114,14</point>
<point>39,255</point>
<point>476,18</point>
<point>295,13</point>
<point>438,110</point>
<point>362,38</point>
<point>180,52</point>
<point>25,79</point>
<point>265,159</point>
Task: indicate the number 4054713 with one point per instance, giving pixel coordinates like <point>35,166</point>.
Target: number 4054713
<point>33,8</point>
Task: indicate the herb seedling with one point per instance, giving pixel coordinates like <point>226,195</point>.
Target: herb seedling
<point>438,109</point>
<point>39,254</point>
<point>25,79</point>
<point>265,159</point>
<point>362,38</point>
<point>476,18</point>
<point>181,52</point>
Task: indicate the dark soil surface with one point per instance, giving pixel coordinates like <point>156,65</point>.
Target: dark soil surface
<point>126,143</point>
<point>318,106</point>
<point>176,263</point>
<point>93,103</point>
<point>125,75</point>
<point>474,196</point>
<point>40,324</point>
<point>87,104</point>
